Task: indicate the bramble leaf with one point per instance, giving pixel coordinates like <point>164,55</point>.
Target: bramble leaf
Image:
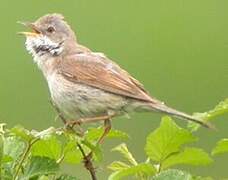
<point>220,109</point>
<point>40,166</point>
<point>118,165</point>
<point>67,177</point>
<point>122,148</point>
<point>221,147</point>
<point>140,169</point>
<point>23,133</point>
<point>190,156</point>
<point>172,174</point>
<point>95,149</point>
<point>166,140</point>
<point>93,134</point>
<point>48,147</point>
<point>13,147</point>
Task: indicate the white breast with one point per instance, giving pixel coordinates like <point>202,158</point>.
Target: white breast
<point>78,100</point>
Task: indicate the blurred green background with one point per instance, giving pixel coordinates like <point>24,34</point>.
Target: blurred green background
<point>178,49</point>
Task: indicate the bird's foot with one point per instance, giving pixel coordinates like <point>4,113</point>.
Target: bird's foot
<point>69,125</point>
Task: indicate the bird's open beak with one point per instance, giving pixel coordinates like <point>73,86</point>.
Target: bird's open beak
<point>35,30</point>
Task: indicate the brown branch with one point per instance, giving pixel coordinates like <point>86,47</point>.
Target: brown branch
<point>88,164</point>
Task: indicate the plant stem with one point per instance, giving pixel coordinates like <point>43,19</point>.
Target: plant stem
<point>24,156</point>
<point>88,162</point>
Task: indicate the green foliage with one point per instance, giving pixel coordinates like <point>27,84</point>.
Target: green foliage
<point>37,155</point>
<point>122,148</point>
<point>189,156</point>
<point>167,140</point>
<point>173,174</point>
<point>177,175</point>
<point>218,110</point>
<point>33,155</point>
<point>221,147</point>
<point>40,166</point>
<point>140,170</point>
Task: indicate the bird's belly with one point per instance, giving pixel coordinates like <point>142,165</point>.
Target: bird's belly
<point>79,101</point>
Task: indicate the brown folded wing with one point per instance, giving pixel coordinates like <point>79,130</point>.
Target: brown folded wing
<point>96,70</point>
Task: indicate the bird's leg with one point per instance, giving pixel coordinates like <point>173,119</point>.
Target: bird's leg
<point>60,115</point>
<point>88,120</point>
<point>58,112</point>
<point>107,124</point>
<point>107,128</point>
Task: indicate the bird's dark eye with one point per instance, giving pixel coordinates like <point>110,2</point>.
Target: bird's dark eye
<point>50,29</point>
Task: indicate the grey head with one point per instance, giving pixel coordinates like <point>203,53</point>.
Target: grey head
<point>51,36</point>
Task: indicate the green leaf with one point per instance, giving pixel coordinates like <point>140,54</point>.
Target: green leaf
<point>41,166</point>
<point>122,148</point>
<point>220,109</point>
<point>172,174</point>
<point>221,147</point>
<point>13,147</point>
<point>202,178</point>
<point>94,148</point>
<point>190,156</point>
<point>59,147</point>
<point>118,165</point>
<point>166,140</point>
<point>93,134</point>
<point>141,169</point>
<point>43,178</point>
<point>6,159</point>
<point>72,153</point>
<point>23,133</point>
<point>1,151</point>
<point>47,147</point>
<point>67,177</point>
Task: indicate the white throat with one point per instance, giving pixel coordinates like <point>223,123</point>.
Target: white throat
<point>43,50</point>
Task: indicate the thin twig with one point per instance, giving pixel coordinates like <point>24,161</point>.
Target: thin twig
<point>88,162</point>
<point>24,156</point>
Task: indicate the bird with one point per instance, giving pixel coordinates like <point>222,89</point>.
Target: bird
<point>87,86</point>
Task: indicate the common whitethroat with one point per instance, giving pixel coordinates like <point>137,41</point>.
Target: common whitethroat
<point>87,86</point>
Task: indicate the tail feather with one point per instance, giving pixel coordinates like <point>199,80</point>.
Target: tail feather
<point>181,115</point>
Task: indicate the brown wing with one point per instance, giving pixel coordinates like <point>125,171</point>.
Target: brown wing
<point>95,70</point>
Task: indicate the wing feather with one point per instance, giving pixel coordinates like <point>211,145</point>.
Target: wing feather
<point>98,71</point>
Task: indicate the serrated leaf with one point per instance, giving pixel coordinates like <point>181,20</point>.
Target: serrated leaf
<point>93,134</point>
<point>190,156</point>
<point>122,148</point>
<point>43,178</point>
<point>95,149</point>
<point>13,147</point>
<point>221,147</point>
<point>1,150</point>
<point>72,153</point>
<point>141,169</point>
<point>41,166</point>
<point>118,165</point>
<point>47,147</point>
<point>218,110</point>
<point>166,140</point>
<point>23,133</point>
<point>172,174</point>
<point>67,177</point>
<point>6,159</point>
<point>202,178</point>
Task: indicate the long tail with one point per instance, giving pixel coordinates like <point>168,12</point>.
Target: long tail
<point>181,115</point>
